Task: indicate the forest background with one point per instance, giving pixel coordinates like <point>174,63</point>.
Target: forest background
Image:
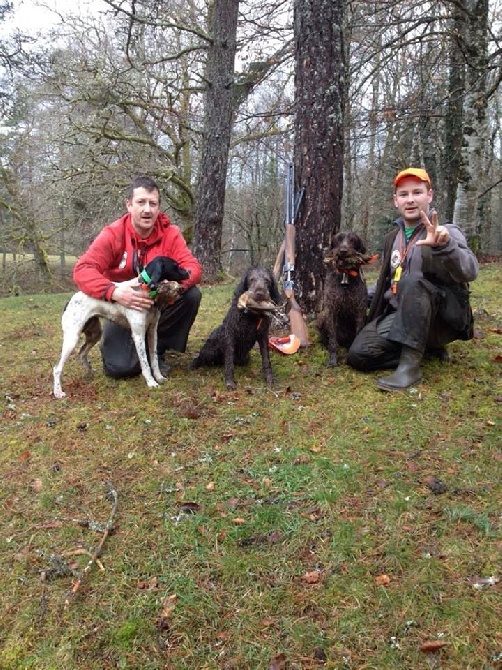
<point>214,99</point>
<point>317,524</point>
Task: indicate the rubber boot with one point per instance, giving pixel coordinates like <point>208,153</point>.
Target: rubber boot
<point>164,367</point>
<point>407,372</point>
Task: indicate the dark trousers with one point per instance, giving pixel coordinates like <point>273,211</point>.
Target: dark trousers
<point>416,323</point>
<point>120,359</point>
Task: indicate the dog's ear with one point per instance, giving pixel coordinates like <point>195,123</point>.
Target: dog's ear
<point>164,267</point>
<point>245,280</point>
<point>241,287</point>
<point>357,243</point>
<point>336,241</point>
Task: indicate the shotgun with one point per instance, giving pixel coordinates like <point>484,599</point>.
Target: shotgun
<point>297,323</point>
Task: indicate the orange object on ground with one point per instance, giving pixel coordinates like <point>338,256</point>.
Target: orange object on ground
<point>285,345</point>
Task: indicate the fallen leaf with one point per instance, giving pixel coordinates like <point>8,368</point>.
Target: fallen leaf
<point>278,662</point>
<point>223,635</point>
<point>189,507</point>
<point>211,486</point>
<point>238,521</point>
<point>312,577</point>
<point>304,459</point>
<point>37,485</point>
<point>168,605</point>
<point>432,645</point>
<point>149,585</point>
<point>382,580</point>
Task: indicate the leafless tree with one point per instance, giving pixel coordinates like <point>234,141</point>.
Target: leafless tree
<point>318,155</point>
<point>217,133</point>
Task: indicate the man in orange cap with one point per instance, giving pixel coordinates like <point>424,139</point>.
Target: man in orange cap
<point>421,298</point>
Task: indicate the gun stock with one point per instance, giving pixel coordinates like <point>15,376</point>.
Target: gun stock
<point>297,323</point>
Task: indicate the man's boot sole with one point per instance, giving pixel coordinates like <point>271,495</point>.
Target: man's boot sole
<point>387,387</point>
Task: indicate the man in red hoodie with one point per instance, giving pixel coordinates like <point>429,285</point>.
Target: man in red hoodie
<point>109,270</point>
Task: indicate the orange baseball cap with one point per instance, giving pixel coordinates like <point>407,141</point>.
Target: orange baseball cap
<point>417,173</point>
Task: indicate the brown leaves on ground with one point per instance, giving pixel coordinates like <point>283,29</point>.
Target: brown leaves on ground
<point>431,646</point>
<point>279,662</point>
<point>311,577</point>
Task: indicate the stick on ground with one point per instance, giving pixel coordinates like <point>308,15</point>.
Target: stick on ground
<point>112,495</point>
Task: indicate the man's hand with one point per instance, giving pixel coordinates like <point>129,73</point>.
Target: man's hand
<point>128,294</point>
<point>437,236</point>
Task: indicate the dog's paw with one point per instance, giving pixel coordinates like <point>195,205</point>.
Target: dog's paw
<point>231,385</point>
<point>59,394</point>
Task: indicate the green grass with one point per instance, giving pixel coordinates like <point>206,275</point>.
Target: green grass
<point>322,475</point>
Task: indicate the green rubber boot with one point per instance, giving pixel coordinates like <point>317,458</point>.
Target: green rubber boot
<point>407,372</point>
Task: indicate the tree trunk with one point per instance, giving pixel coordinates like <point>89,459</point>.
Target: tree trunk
<point>475,131</point>
<point>453,121</point>
<point>320,86</point>
<point>210,201</point>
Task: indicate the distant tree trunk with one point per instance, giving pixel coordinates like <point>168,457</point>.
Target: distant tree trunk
<point>453,120</point>
<point>318,155</point>
<point>210,200</point>
<point>475,128</point>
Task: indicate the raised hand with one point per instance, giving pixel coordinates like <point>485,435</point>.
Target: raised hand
<point>437,236</point>
<point>128,294</point>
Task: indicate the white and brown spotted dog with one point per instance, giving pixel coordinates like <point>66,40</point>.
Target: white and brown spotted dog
<point>82,315</point>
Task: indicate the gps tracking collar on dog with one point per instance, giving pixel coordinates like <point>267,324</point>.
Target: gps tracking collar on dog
<point>146,284</point>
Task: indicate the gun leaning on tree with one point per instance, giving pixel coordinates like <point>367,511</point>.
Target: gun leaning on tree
<point>286,254</point>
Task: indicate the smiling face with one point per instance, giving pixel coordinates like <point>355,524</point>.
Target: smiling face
<point>144,210</point>
<point>410,197</point>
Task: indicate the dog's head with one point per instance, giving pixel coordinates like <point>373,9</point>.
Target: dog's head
<point>347,252</point>
<point>260,285</point>
<point>163,268</point>
<point>168,292</point>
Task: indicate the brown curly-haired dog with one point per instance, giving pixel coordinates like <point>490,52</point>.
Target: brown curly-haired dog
<point>345,297</point>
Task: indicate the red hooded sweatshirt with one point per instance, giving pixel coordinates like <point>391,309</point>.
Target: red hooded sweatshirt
<point>118,254</point>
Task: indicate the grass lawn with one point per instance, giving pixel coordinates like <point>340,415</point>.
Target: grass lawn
<point>318,524</point>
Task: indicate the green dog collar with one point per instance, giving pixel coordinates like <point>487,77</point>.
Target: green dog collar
<point>144,275</point>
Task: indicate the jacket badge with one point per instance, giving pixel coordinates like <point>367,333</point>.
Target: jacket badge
<point>395,259</point>
<point>123,262</point>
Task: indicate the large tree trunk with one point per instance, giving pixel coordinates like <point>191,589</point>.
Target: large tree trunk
<point>475,130</point>
<point>318,156</point>
<point>210,199</point>
<point>453,120</point>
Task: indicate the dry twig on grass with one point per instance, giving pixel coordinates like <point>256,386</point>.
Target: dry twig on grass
<point>111,495</point>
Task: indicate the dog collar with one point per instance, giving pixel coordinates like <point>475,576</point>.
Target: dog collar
<point>145,284</point>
